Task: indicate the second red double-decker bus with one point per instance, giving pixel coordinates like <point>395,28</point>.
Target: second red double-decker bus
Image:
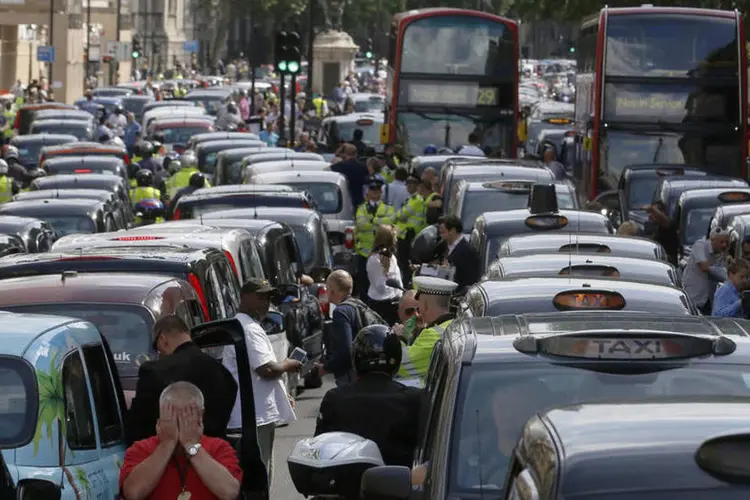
<point>452,72</point>
<point>658,85</point>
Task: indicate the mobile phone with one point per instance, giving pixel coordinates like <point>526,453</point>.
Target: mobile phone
<point>298,355</point>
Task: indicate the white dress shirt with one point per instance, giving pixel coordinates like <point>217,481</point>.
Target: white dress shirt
<point>378,289</point>
<point>397,194</point>
<point>271,401</point>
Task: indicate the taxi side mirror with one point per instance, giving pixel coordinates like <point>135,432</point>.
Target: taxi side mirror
<point>389,482</point>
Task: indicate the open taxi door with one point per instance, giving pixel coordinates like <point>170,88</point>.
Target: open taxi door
<point>213,337</point>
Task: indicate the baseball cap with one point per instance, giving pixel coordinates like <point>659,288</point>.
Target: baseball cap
<point>257,285</point>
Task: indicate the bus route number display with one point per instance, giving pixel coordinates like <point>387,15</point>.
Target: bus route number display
<point>452,94</point>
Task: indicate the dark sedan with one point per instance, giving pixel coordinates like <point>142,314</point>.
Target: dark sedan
<point>83,130</point>
<point>65,216</point>
<point>30,146</point>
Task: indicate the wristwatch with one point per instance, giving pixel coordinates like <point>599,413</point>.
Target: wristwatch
<point>192,450</point>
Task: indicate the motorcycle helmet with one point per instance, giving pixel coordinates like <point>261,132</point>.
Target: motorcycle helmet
<point>11,153</point>
<point>145,148</point>
<point>150,211</point>
<point>197,180</point>
<point>424,245</point>
<point>169,158</point>
<point>375,349</point>
<point>3,167</point>
<point>144,178</point>
<point>231,108</point>
<point>118,109</point>
<point>105,136</point>
<point>189,159</point>
<point>174,166</point>
<point>430,149</point>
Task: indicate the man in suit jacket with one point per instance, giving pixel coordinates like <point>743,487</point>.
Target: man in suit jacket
<point>461,254</point>
<point>180,360</point>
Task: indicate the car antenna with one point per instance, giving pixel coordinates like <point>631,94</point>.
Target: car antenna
<point>479,456</point>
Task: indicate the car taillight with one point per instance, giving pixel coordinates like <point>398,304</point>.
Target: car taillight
<point>234,266</point>
<point>305,204</point>
<point>82,171</point>
<point>196,284</point>
<point>127,159</point>
<point>41,160</point>
<point>349,240</point>
<point>325,305</point>
<point>17,121</point>
<point>176,214</point>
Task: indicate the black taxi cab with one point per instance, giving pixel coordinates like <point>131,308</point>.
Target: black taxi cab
<point>25,114</point>
<point>110,182</point>
<point>636,187</point>
<point>642,449</point>
<point>88,164</point>
<point>695,208</point>
<point>122,212</point>
<point>228,169</point>
<point>123,307</point>
<point>29,146</point>
<point>83,148</point>
<point>669,190</point>
<point>472,199</point>
<point>67,216</point>
<point>582,243</point>
<point>37,235</point>
<point>739,236</point>
<point>206,270</point>
<point>583,266</point>
<point>83,130</point>
<point>207,151</point>
<point>491,228</point>
<point>724,213</point>
<point>489,375</point>
<point>204,201</point>
<point>419,164</point>
<point>570,293</point>
<point>219,136</point>
<point>250,172</point>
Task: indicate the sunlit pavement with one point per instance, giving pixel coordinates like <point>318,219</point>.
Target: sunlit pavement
<point>306,409</point>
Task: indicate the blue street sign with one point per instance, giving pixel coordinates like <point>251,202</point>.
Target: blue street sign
<point>190,46</point>
<point>45,53</point>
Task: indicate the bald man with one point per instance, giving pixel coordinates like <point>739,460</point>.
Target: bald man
<point>408,307</point>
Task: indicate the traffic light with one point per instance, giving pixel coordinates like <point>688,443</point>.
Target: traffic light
<point>154,47</point>
<point>369,52</point>
<point>136,48</point>
<point>288,58</point>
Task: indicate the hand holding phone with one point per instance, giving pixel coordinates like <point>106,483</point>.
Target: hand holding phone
<point>298,355</point>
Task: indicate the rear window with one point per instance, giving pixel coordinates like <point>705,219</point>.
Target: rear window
<point>369,105</point>
<point>135,106</point>
<point>28,155</point>
<point>495,402</point>
<point>696,225</point>
<point>82,169</point>
<point>206,207</point>
<point>127,329</point>
<point>478,202</point>
<point>371,133</point>
<point>327,196</point>
<point>17,408</point>
<point>64,225</point>
<point>181,135</point>
<point>82,132</point>
<point>211,105</point>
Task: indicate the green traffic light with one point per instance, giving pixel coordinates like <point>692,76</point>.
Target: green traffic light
<point>572,49</point>
<point>282,66</point>
<point>293,67</point>
<point>136,55</point>
<point>368,54</point>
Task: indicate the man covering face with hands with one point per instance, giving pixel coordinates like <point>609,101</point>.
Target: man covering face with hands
<point>180,461</point>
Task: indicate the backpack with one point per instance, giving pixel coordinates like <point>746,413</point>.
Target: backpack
<point>366,316</point>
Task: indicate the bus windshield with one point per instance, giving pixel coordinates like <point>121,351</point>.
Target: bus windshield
<point>453,131</point>
<point>671,45</point>
<point>458,45</point>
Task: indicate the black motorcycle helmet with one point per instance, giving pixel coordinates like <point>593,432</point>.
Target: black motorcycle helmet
<point>145,149</point>
<point>197,180</point>
<point>158,137</point>
<point>144,178</point>
<point>424,244</point>
<point>375,349</point>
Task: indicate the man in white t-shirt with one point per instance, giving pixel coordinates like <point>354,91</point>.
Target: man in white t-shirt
<point>272,404</point>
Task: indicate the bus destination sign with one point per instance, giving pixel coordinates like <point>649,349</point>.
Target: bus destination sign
<point>462,94</point>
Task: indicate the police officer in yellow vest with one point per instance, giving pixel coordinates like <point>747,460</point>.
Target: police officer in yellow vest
<point>370,214</point>
<point>10,116</point>
<point>410,220</point>
<point>145,190</point>
<point>181,178</point>
<point>8,186</point>
<point>434,296</point>
<point>321,107</point>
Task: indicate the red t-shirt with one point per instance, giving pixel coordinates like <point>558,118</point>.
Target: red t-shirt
<point>169,486</point>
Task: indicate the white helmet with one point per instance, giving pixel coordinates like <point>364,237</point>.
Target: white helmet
<point>3,167</point>
<point>189,159</point>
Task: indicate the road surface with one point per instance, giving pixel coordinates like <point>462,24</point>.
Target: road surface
<point>306,409</point>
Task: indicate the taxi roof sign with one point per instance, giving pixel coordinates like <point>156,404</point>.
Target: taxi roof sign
<point>584,247</point>
<point>546,221</point>
<point>734,197</point>
<point>365,121</point>
<point>663,172</point>
<point>589,270</point>
<point>626,345</point>
<point>588,299</point>
<point>558,121</point>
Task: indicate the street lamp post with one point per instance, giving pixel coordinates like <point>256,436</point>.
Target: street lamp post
<point>30,37</point>
<point>50,40</point>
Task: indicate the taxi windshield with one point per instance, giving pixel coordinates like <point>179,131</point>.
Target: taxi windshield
<point>368,105</point>
<point>371,133</point>
<point>327,196</point>
<point>494,200</point>
<point>64,225</point>
<point>28,154</point>
<point>641,192</point>
<point>234,173</point>
<point>14,391</point>
<point>696,225</point>
<point>306,243</point>
<point>127,329</point>
<point>181,135</point>
<point>495,402</point>
<point>419,130</point>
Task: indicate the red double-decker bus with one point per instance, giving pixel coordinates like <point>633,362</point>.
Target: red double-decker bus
<point>660,85</point>
<point>452,72</point>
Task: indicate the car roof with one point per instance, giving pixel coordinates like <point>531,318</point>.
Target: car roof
<point>85,159</point>
<point>505,294</point>
<point>474,185</point>
<point>191,121</point>
<point>18,331</point>
<point>72,179</point>
<point>51,139</point>
<point>79,287</point>
<point>65,206</point>
<point>299,176</point>
<point>354,117</point>
<point>551,261</point>
<point>712,193</point>
<point>202,93</point>
<point>680,182</point>
<point>223,136</point>
<point>511,172</point>
<point>137,97</point>
<point>608,445</point>
<point>68,122</point>
<point>243,188</point>
<point>17,222</point>
<point>575,217</point>
<point>292,215</point>
<point>226,143</point>
<point>651,169</point>
<point>45,194</point>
